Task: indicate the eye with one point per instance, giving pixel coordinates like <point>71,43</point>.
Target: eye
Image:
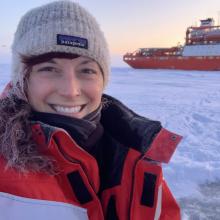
<point>88,71</point>
<point>48,69</point>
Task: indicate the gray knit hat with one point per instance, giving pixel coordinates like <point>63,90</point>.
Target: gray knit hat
<point>60,26</point>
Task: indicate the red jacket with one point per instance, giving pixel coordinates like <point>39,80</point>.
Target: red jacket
<point>134,187</point>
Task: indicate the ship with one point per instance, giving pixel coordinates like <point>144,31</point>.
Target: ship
<point>201,51</point>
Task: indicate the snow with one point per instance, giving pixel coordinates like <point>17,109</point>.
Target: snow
<point>188,103</point>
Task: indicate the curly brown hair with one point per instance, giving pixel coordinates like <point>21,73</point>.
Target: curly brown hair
<point>16,143</point>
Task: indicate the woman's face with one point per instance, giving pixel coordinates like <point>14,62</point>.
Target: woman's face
<point>71,87</point>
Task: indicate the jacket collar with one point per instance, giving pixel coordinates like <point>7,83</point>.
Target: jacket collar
<point>127,127</point>
<point>144,135</point>
<point>132,130</point>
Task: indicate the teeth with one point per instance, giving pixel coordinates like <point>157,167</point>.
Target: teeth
<point>62,109</point>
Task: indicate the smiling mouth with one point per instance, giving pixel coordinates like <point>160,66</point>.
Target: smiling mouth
<point>67,110</point>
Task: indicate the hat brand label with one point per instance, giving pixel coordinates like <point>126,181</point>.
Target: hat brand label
<point>72,41</point>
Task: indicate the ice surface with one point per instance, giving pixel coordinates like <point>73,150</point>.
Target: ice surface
<point>188,103</point>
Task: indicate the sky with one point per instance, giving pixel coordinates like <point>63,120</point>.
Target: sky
<point>127,24</point>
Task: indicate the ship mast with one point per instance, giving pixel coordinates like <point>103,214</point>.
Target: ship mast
<point>218,18</point>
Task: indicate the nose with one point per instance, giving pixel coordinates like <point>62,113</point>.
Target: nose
<point>70,86</point>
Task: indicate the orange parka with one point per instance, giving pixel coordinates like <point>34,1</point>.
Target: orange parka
<point>125,184</point>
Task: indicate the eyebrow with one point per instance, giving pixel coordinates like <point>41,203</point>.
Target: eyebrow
<point>87,61</point>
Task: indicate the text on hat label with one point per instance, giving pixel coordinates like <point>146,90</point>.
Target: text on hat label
<point>72,41</point>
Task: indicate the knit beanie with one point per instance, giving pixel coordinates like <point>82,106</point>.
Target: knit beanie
<point>60,26</point>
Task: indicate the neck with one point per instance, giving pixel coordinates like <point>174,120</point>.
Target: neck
<point>86,131</point>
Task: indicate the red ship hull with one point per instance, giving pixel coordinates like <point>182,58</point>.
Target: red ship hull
<point>175,62</point>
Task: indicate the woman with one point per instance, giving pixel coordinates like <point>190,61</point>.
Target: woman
<point>67,150</point>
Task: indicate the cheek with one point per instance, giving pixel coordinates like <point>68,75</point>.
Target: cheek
<point>95,91</point>
<point>37,91</point>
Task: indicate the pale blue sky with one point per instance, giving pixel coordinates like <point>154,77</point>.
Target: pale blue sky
<point>127,24</point>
